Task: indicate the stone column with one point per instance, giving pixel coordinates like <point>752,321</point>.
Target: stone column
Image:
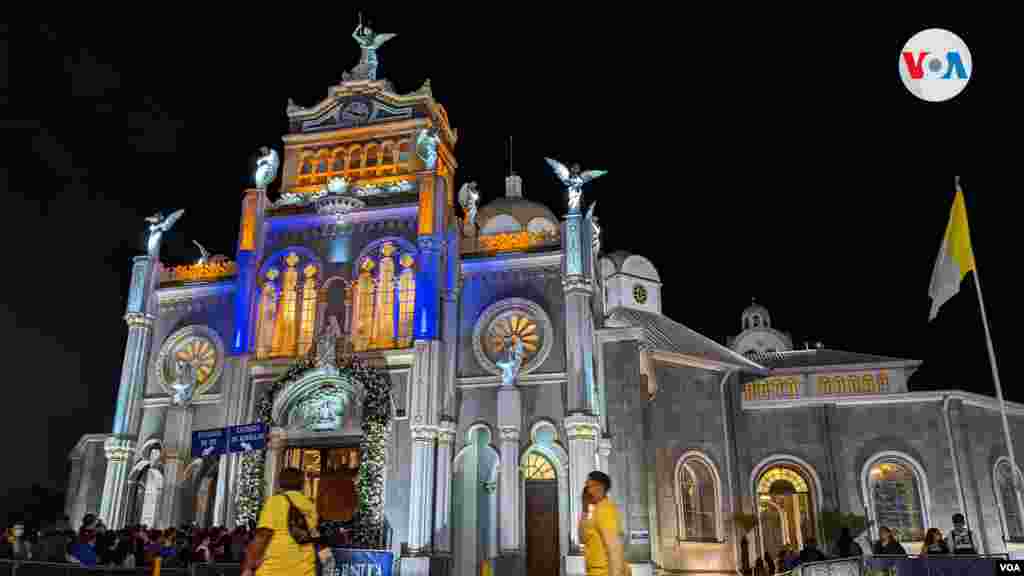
<point>443,490</point>
<point>128,414</point>
<point>604,451</point>
<point>583,432</point>
<point>275,459</point>
<point>578,289</point>
<point>177,450</point>
<point>74,479</point>
<point>509,425</point>
<point>421,489</point>
<point>119,452</point>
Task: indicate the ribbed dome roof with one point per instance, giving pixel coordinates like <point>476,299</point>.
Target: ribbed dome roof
<point>520,209</point>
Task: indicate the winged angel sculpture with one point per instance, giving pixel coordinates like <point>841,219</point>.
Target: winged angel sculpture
<point>369,41</point>
<point>157,226</point>
<point>266,168</point>
<point>574,179</point>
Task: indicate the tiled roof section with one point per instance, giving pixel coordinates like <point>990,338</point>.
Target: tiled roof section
<point>664,334</point>
<point>820,357</point>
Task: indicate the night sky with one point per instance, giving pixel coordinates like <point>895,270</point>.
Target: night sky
<point>780,163</point>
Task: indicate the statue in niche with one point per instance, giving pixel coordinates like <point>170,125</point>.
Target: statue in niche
<point>157,226</point>
<point>327,344</point>
<point>154,456</point>
<point>513,364</point>
<point>574,179</point>
<point>185,380</point>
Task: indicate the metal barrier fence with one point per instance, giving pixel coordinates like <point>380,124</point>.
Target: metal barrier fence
<point>911,565</point>
<point>30,568</point>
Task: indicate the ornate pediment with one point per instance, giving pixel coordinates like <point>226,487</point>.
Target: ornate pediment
<point>354,104</point>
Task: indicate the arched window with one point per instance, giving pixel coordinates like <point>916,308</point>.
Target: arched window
<point>268,309</point>
<point>308,309</point>
<point>384,298</point>
<point>338,166</point>
<point>288,306</point>
<point>1010,506</point>
<point>896,495</point>
<point>697,499</point>
<point>537,467</point>
<point>372,160</point>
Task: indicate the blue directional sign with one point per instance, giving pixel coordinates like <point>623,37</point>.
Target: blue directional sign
<point>209,443</point>
<point>247,437</point>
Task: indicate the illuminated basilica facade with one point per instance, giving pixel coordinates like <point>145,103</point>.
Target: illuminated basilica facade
<point>698,436</point>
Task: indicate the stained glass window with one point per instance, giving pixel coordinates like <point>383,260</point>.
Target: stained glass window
<point>537,467</point>
<point>384,299</point>
<point>896,495</point>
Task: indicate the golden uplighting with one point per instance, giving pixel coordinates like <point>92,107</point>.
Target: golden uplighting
<point>514,241</point>
<point>212,270</point>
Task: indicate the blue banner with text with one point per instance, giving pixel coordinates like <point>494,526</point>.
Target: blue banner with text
<point>247,438</point>
<point>352,562</point>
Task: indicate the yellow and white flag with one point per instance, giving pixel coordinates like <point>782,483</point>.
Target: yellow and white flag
<point>956,257</point>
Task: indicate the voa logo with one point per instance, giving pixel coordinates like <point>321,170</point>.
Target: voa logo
<point>935,65</point>
<point>1010,568</point>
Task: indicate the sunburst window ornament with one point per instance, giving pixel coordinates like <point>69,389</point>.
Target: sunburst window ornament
<point>200,353</point>
<point>507,330</point>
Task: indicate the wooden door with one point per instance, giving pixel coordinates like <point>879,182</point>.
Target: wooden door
<point>542,541</point>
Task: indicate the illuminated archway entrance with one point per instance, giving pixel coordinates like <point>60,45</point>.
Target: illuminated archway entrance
<point>786,506</point>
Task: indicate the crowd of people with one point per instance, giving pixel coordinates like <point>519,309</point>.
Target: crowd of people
<point>959,541</point>
<point>92,544</point>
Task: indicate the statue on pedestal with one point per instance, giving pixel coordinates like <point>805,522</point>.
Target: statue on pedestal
<point>510,368</point>
<point>426,147</point>
<point>327,344</point>
<point>469,196</point>
<point>157,226</point>
<point>574,179</point>
<point>369,41</point>
<point>266,168</point>
<point>185,381</point>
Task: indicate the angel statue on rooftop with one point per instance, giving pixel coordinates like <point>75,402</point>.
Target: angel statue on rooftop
<point>573,179</point>
<point>157,226</point>
<point>369,41</point>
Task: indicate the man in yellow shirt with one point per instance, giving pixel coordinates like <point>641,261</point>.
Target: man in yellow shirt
<point>273,551</point>
<point>600,529</point>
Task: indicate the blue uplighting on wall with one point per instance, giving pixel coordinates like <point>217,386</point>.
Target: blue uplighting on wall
<point>426,319</point>
<point>241,341</point>
<point>452,273</point>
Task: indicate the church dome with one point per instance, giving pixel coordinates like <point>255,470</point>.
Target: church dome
<point>756,316</point>
<point>513,213</point>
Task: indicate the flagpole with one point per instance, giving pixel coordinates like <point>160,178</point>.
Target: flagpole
<point>995,371</point>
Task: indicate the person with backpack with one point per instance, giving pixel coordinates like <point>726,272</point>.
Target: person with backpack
<point>960,539</point>
<point>286,532</point>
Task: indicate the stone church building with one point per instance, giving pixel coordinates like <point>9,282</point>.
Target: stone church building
<point>368,231</point>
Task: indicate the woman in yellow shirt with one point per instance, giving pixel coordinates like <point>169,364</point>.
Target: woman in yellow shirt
<point>600,529</point>
<point>273,551</point>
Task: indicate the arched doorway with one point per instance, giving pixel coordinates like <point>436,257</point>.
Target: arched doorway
<point>475,502</point>
<point>145,489</point>
<point>541,500</point>
<point>787,505</point>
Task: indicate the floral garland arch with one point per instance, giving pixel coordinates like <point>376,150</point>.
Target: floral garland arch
<point>376,422</point>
